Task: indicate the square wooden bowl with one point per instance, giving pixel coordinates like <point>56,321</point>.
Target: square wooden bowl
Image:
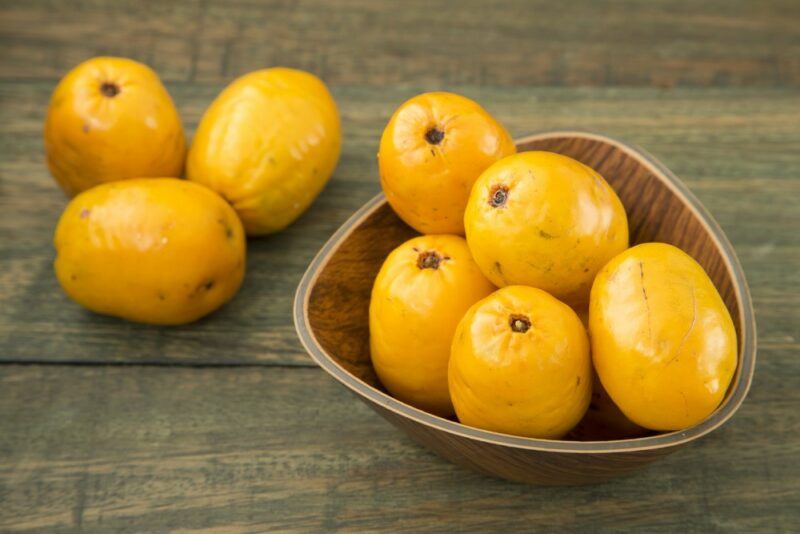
<point>332,302</point>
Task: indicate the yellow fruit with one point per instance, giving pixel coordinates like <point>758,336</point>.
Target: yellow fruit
<point>663,342</point>
<point>112,119</point>
<point>268,144</point>
<point>421,292</point>
<point>157,250</point>
<point>544,220</point>
<point>520,365</point>
<point>431,152</point>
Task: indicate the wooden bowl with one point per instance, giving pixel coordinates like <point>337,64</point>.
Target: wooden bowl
<point>332,301</point>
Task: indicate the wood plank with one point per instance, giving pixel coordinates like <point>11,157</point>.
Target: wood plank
<point>735,148</point>
<point>353,42</point>
<point>155,448</point>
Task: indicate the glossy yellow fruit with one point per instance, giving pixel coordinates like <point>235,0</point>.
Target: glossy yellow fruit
<point>544,220</point>
<point>432,151</point>
<point>663,342</point>
<point>157,250</point>
<point>112,119</point>
<point>268,144</point>
<point>520,365</point>
<point>421,292</point>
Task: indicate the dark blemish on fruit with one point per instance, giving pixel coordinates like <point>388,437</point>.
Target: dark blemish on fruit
<point>273,162</point>
<point>85,213</point>
<point>415,249</point>
<point>226,227</point>
<point>73,277</point>
<point>498,196</point>
<point>85,128</point>
<point>429,260</point>
<point>446,258</point>
<point>577,381</point>
<point>314,170</point>
<point>433,151</point>
<point>498,267</point>
<point>208,285</point>
<point>110,89</point>
<point>586,270</point>
<point>519,323</point>
<point>545,235</point>
<point>161,296</point>
<point>434,136</point>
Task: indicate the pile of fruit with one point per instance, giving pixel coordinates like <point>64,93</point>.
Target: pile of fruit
<point>140,243</point>
<point>659,346</point>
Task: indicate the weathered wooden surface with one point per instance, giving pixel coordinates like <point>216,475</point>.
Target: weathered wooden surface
<point>710,88</point>
<point>363,42</point>
<point>149,449</point>
<point>736,148</point>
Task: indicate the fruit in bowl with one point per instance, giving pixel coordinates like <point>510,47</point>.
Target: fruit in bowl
<point>520,365</point>
<point>331,315</point>
<point>419,296</point>
<point>431,152</point>
<point>663,342</point>
<point>544,220</point>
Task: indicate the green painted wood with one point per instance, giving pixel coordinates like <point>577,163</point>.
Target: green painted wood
<point>512,42</point>
<point>254,449</point>
<point>710,88</point>
<point>736,148</point>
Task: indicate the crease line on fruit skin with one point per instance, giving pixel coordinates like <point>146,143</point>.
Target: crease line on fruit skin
<point>688,331</point>
<point>646,302</point>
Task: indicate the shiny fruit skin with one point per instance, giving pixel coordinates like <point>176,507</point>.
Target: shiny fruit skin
<point>427,176</point>
<point>154,250</point>
<point>544,220</point>
<point>268,144</point>
<point>112,119</point>
<point>663,342</point>
<point>535,383</point>
<point>414,310</point>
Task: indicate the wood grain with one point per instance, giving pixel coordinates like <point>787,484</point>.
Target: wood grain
<point>662,43</point>
<point>734,148</point>
<point>154,448</point>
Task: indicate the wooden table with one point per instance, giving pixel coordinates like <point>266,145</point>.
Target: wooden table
<point>227,424</point>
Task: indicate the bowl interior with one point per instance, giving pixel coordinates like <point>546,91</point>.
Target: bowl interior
<point>659,208</point>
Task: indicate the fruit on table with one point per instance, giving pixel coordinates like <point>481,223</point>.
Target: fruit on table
<point>432,151</point>
<point>421,292</point>
<point>663,342</point>
<point>520,365</point>
<point>156,250</point>
<point>112,119</point>
<point>544,220</point>
<point>268,144</point>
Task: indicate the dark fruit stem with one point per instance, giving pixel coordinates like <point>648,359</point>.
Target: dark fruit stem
<point>429,260</point>
<point>109,89</point>
<point>499,196</point>
<point>519,323</point>
<point>434,136</point>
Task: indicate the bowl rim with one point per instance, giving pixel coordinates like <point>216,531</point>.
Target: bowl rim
<point>745,369</point>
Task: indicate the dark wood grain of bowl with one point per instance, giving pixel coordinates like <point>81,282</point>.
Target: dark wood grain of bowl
<point>332,301</point>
